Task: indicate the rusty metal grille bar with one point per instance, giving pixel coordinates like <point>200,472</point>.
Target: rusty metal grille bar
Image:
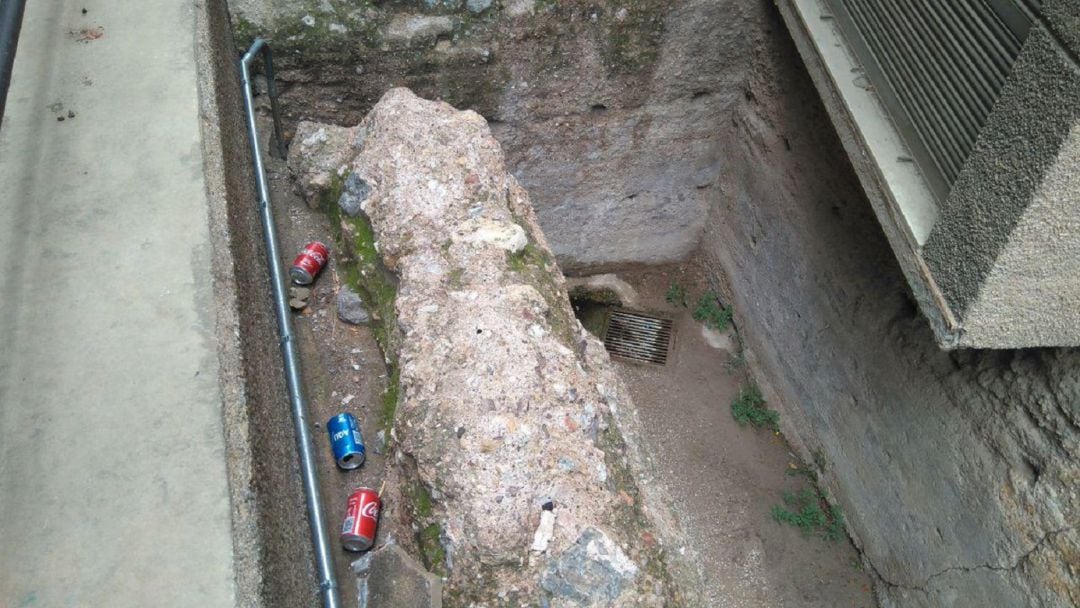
<point>638,337</point>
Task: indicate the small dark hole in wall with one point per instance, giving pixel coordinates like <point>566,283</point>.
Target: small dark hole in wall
<point>593,315</point>
<point>592,306</point>
<point>700,94</point>
<point>598,107</point>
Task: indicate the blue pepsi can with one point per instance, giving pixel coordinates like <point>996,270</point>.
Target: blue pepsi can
<point>346,441</point>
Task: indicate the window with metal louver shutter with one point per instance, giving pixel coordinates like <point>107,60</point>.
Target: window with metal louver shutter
<point>938,67</point>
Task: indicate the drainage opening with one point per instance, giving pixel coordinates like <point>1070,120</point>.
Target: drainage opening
<point>638,337</point>
<point>592,307</point>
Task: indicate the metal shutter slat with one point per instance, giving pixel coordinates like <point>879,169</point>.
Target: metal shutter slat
<point>943,63</point>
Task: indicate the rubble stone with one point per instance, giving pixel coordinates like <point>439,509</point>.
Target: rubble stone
<point>592,572</point>
<point>477,6</point>
<point>406,29</point>
<point>353,194</point>
<point>350,308</point>
<point>500,386</point>
<point>388,577</point>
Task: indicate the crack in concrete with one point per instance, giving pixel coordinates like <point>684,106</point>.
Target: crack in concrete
<point>927,583</point>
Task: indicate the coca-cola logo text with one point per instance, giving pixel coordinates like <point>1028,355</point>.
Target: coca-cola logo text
<point>370,510</point>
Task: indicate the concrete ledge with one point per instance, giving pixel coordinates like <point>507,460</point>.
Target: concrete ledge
<point>996,265</point>
<point>1006,250</point>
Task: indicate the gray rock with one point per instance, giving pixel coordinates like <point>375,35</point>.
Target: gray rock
<point>594,571</point>
<point>350,308</point>
<point>388,577</point>
<point>406,29</point>
<point>477,6</point>
<point>379,445</point>
<point>353,195</point>
<point>298,297</point>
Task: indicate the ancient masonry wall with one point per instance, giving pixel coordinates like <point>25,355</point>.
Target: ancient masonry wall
<point>959,472</point>
<point>608,110</point>
<point>631,123</point>
<point>510,422</point>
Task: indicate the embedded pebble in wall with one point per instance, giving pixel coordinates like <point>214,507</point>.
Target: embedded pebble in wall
<point>477,6</point>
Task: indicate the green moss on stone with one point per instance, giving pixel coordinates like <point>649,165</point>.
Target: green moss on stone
<point>244,32</point>
<point>390,398</point>
<point>528,258</point>
<point>629,519</point>
<point>365,274</point>
<point>536,267</point>
<point>431,549</point>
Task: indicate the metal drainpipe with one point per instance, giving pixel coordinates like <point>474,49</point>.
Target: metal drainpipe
<point>319,538</point>
<point>11,16</point>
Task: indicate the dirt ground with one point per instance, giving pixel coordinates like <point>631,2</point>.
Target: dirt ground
<point>725,478</point>
<point>342,366</point>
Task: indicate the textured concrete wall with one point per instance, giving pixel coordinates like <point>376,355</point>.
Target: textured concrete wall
<point>271,495</point>
<point>958,472</point>
<point>607,110</point>
<point>1006,248</point>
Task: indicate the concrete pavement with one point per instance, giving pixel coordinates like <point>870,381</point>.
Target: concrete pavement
<point>113,482</point>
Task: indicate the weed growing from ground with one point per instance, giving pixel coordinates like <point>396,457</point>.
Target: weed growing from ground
<point>804,510</point>
<point>748,408</point>
<point>676,295</point>
<point>796,470</point>
<point>711,313</point>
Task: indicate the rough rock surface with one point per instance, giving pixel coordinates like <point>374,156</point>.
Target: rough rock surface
<point>388,577</point>
<point>507,405</point>
<point>350,308</point>
<point>609,111</point>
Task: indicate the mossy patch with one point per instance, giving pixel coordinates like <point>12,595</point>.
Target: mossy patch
<point>346,50</point>
<point>529,257</point>
<point>599,295</point>
<point>536,267</point>
<point>455,279</point>
<point>431,549</point>
<point>390,398</point>
<point>420,511</point>
<point>365,274</point>
<point>244,32</point>
<point>633,34</point>
<point>420,498</point>
<point>629,517</point>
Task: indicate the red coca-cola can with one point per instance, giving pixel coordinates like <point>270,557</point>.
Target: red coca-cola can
<point>361,520</point>
<point>308,264</point>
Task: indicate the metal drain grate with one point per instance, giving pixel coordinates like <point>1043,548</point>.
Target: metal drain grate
<point>638,337</point>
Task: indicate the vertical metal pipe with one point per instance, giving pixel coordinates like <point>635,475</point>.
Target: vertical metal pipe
<point>11,16</point>
<point>271,90</point>
<point>320,539</point>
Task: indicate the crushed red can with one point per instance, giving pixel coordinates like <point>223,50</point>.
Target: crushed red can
<point>308,264</point>
<point>361,520</point>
